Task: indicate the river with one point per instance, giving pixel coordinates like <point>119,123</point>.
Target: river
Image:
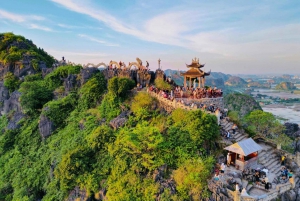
<point>291,113</point>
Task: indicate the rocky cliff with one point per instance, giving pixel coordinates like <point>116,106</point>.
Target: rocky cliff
<point>241,103</point>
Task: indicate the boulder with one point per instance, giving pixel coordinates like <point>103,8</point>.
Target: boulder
<point>291,129</point>
<point>12,103</point>
<point>86,73</point>
<point>46,126</point>
<point>13,122</point>
<point>70,83</point>
<point>120,120</point>
<point>290,195</point>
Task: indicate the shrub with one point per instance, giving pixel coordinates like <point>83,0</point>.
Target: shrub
<point>92,91</point>
<point>11,81</point>
<point>34,95</point>
<point>161,84</point>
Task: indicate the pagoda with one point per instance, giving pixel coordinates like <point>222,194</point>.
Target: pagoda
<point>195,72</point>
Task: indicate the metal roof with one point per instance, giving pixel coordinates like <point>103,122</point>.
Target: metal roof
<point>245,147</point>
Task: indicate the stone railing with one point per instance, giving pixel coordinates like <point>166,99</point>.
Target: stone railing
<point>280,189</point>
<point>176,103</point>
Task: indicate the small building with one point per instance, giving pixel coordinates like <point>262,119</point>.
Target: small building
<point>243,154</point>
<point>194,73</point>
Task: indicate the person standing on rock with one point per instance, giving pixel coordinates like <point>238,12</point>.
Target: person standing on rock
<point>228,159</point>
<point>282,160</point>
<point>222,169</point>
<point>233,128</point>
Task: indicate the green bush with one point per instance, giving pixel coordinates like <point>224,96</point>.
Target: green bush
<point>55,78</point>
<point>34,95</point>
<point>142,105</point>
<point>161,84</point>
<point>120,86</point>
<point>58,110</point>
<point>11,81</point>
<point>91,92</point>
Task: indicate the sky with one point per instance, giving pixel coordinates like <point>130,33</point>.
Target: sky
<point>230,36</point>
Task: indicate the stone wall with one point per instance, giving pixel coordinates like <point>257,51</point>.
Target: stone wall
<point>169,105</point>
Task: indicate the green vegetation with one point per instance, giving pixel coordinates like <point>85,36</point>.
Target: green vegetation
<point>34,95</point>
<point>241,104</point>
<point>11,81</point>
<point>13,48</point>
<point>163,85</point>
<point>85,153</point>
<point>55,78</point>
<point>265,124</point>
<point>91,92</point>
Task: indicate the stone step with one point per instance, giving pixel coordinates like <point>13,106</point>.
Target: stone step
<point>296,180</point>
<point>241,138</point>
<point>270,162</point>
<point>275,166</point>
<point>249,187</point>
<point>244,183</point>
<point>237,135</point>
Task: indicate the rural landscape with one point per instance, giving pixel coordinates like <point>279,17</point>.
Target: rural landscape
<point>100,110</point>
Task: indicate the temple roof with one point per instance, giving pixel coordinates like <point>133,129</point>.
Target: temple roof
<point>195,64</point>
<point>194,72</point>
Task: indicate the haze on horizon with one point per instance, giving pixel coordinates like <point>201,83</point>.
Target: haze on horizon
<point>248,37</point>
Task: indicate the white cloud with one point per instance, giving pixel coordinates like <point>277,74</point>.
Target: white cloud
<point>43,28</point>
<point>19,18</point>
<point>97,40</point>
<point>228,32</point>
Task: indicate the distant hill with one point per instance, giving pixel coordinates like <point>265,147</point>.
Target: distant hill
<point>241,104</point>
<point>259,85</point>
<point>20,56</point>
<point>235,81</point>
<point>285,86</point>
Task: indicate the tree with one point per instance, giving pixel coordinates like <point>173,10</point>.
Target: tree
<point>161,84</point>
<point>92,91</point>
<point>143,105</point>
<point>264,124</point>
<point>34,95</point>
<point>120,86</point>
<point>11,81</point>
<point>191,178</point>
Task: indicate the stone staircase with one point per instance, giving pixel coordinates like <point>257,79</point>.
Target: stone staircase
<point>269,159</point>
<point>239,134</point>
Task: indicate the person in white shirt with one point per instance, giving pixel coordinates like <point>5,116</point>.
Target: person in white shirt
<point>222,169</point>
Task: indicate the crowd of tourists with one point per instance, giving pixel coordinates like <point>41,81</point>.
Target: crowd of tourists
<point>171,96</point>
<point>197,93</point>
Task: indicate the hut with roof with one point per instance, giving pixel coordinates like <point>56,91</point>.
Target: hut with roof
<point>194,73</point>
<point>243,154</point>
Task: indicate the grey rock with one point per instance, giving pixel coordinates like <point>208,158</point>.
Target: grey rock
<point>86,74</point>
<point>118,122</point>
<point>12,103</point>
<point>291,129</point>
<point>290,195</point>
<point>46,126</point>
<point>13,123</point>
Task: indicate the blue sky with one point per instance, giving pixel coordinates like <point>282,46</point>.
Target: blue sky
<point>229,36</point>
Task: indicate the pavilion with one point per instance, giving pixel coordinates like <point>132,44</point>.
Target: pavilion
<point>244,154</point>
<point>194,73</point>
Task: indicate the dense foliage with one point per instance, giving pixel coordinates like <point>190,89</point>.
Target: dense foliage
<point>86,154</point>
<point>163,85</point>
<point>242,104</point>
<point>266,125</point>
<point>11,81</point>
<point>13,48</point>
